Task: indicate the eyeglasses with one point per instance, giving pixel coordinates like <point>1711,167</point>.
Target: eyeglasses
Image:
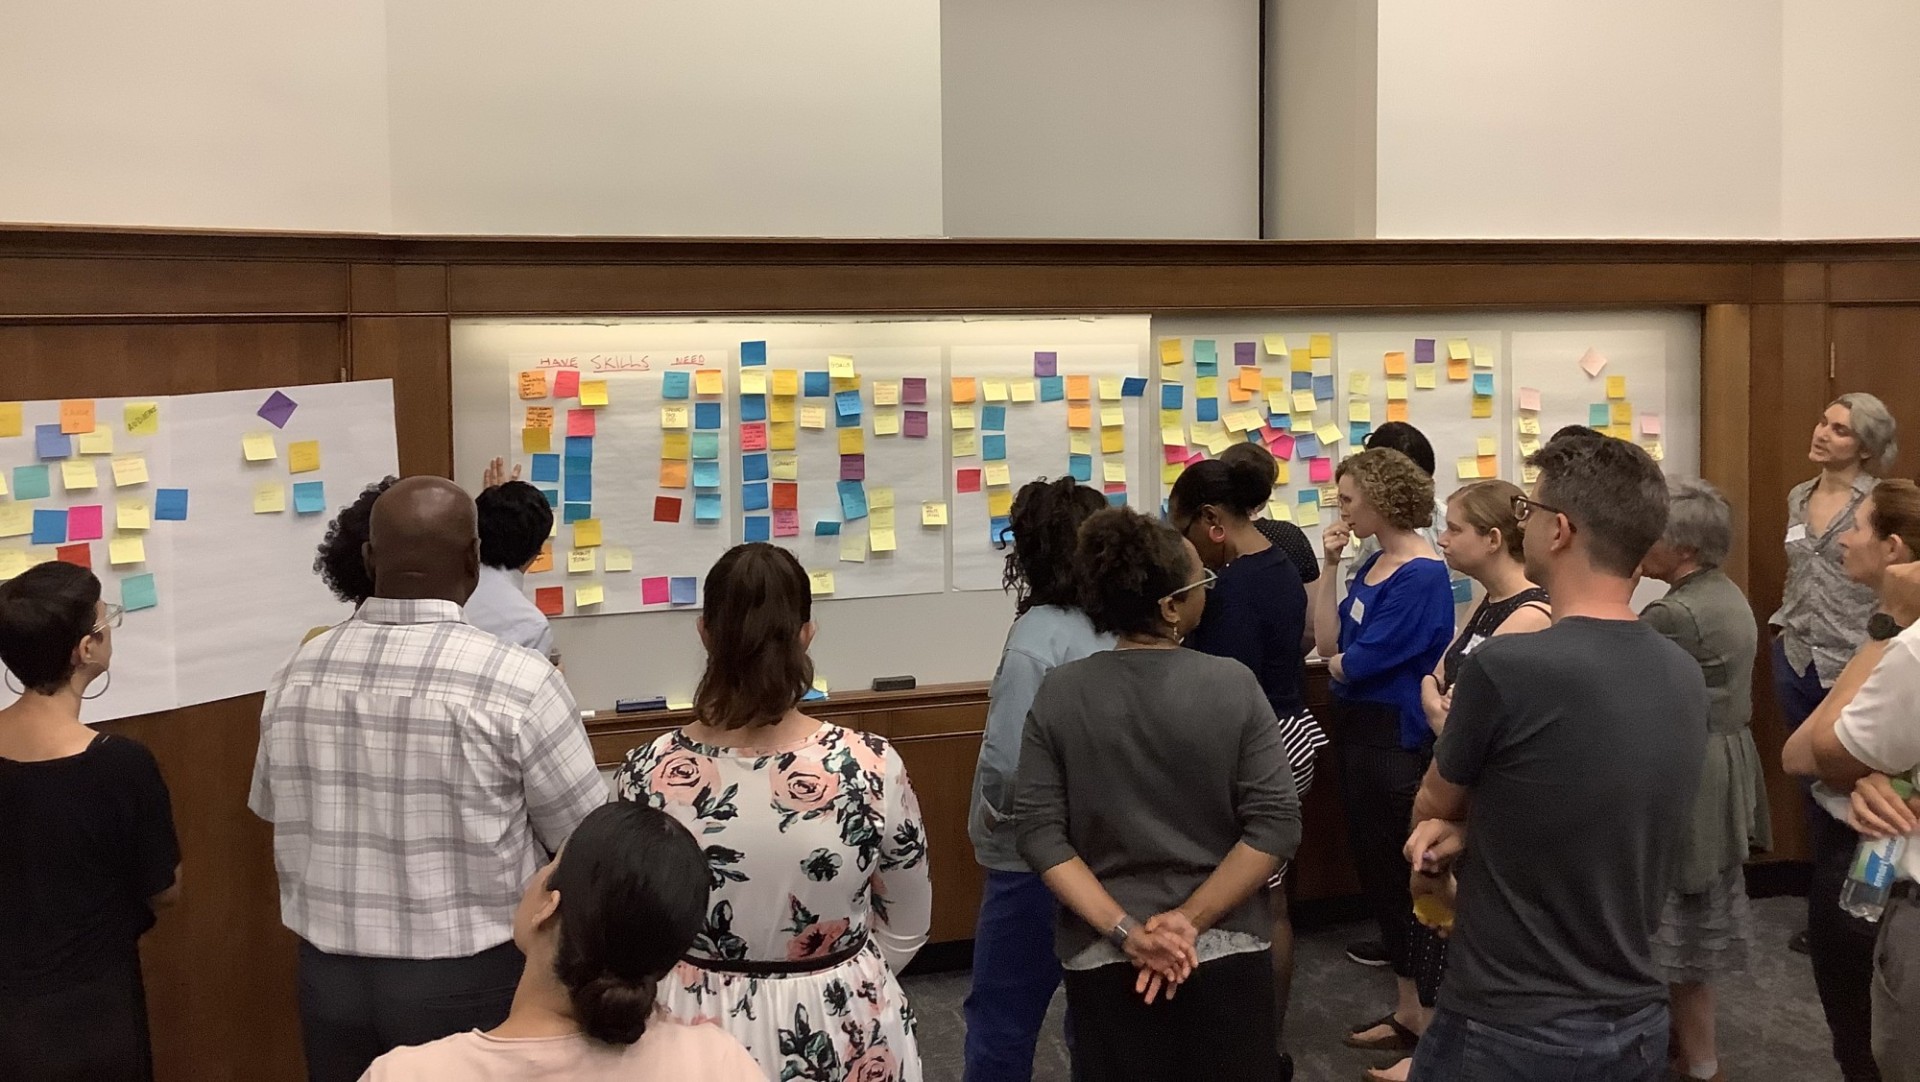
<point>1525,506</point>
<point>1206,582</point>
<point>112,618</point>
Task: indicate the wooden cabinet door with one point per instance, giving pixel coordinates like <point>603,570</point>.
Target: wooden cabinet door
<point>1877,349</point>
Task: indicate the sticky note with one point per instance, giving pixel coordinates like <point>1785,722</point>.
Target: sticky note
<point>886,422</point>
<point>84,523</point>
<point>993,390</point>
<point>966,480</point>
<point>753,354</point>
<point>582,561</point>
<point>137,592</point>
<point>1530,399</point>
<point>840,366</point>
<point>1079,415</point>
<point>1650,424</point>
<point>1592,363</point>
<point>997,473</point>
<point>593,392</point>
<point>1113,440</point>
<point>590,594</point>
<point>76,416</point>
<point>1114,472</point>
<point>852,442</point>
<point>1328,434</point>
<point>10,419</point>
<point>586,533</point>
<point>1599,415</point>
<point>1616,387</point>
<point>1080,443</point>
<point>128,515</point>
<point>1022,390</point>
<point>126,550</point>
<point>933,513</point>
<point>707,381</point>
<point>853,500</point>
<point>883,540</point>
<point>1468,468</point>
<point>853,546</point>
<point>1654,450</point>
<point>1170,352</point>
<point>961,417</point>
<point>818,384</point>
<point>1319,470</point>
<point>1458,349</point>
<point>993,448</point>
<point>1483,383</point>
<point>259,447</point>
<point>1529,425</point>
<point>79,474</point>
<point>309,497</point>
<point>1303,402</point>
<point>1457,371</point>
<point>655,590</point>
<point>30,483</point>
<point>1205,352</point>
<point>49,442</point>
<point>1053,389</point>
<point>706,507</point>
<point>573,512</point>
<point>170,505</point>
<point>999,503</point>
<point>566,383</point>
<point>1079,467</point>
<point>666,509</point>
<point>303,457</point>
<point>1360,411</point>
<point>1397,411</point>
<point>269,498</point>
<point>1425,378</point>
<point>1486,445</point>
<point>533,384</point>
<point>15,520</point>
<point>1489,466</point>
<point>1109,388</point>
<point>97,442</point>
<point>1045,363</point>
<point>786,496</point>
<point>1482,406</point>
<point>754,382</point>
<point>535,440</point>
<point>1320,345</point>
<point>964,389</point>
<point>706,415</point>
<point>1243,354</point>
<point>813,417</point>
<point>1112,416</point>
<point>1079,388</point>
<point>847,403</point>
<point>820,582</point>
<point>49,527</point>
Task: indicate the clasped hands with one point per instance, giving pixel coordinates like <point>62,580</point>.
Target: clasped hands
<point>1163,950</point>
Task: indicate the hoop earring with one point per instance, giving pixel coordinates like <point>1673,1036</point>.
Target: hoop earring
<point>103,688</point>
<point>1217,534</point>
<point>8,680</point>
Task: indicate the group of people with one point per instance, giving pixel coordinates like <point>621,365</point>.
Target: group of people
<point>1551,849</point>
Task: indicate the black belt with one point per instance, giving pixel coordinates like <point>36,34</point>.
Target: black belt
<point>756,968</point>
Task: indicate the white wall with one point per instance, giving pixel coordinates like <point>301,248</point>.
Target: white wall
<point>1570,118</point>
<point>235,113</point>
<point>1322,87</point>
<point>1101,118</point>
<point>1851,142</point>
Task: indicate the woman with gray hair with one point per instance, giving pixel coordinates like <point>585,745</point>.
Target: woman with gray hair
<point>1705,925</point>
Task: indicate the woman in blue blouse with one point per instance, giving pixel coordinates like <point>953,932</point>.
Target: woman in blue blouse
<point>1380,642</point>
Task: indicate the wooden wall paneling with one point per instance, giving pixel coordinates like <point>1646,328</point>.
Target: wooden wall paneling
<point>1894,281</point>
<point>1725,363</point>
<point>413,352</point>
<point>60,360</point>
<point>122,287</point>
<point>1877,349</point>
<point>398,288</point>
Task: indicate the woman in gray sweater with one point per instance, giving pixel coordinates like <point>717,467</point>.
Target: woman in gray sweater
<point>1154,799</point>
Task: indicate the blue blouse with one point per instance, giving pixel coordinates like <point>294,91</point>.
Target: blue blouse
<point>1393,634</point>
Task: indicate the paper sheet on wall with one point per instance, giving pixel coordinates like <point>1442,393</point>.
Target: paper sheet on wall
<point>1554,364</point>
<point>1444,413</point>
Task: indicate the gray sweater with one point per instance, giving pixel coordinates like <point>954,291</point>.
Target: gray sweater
<point>1150,765</point>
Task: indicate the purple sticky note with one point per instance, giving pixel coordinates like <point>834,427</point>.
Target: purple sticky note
<point>853,467</point>
<point>913,391</point>
<point>1243,354</point>
<point>686,589</point>
<point>1423,351</point>
<point>277,409</point>
<point>653,591</point>
<point>1046,364</point>
<point>83,523</point>
<point>915,424</point>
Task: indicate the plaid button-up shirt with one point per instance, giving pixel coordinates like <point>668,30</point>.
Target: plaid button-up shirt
<point>417,771</point>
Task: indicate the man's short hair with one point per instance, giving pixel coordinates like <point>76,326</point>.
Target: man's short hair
<point>515,522</point>
<point>1612,491</point>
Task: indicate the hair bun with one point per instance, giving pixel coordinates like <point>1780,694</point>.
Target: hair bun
<point>615,1010</point>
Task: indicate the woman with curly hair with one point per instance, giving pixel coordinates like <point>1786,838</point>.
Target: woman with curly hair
<point>339,561</point>
<point>1154,800</point>
<point>813,841</point>
<point>1380,643</point>
<point>1014,971</point>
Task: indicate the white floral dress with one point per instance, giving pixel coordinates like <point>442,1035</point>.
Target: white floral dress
<point>811,846</point>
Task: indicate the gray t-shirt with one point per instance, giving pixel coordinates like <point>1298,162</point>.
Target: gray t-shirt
<point>1582,746</point>
<point>1150,765</point>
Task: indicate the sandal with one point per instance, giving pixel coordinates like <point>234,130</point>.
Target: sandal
<point>1379,1074</point>
<point>1401,1039</point>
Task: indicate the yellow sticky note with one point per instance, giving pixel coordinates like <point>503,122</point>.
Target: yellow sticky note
<point>781,437</point>
<point>1109,389</point>
<point>79,473</point>
<point>784,467</point>
<point>965,444</point>
<point>886,392</point>
<point>997,473</point>
<point>1654,450</point>
<point>886,422</point>
<point>1173,436</point>
<point>882,540</point>
<point>1243,420</point>
<point>586,533</point>
<point>1206,387</point>
<point>1114,472</point>
<point>879,498</point>
<point>1529,474</point>
<point>708,381</point>
<point>1113,440</point>
<point>13,564</point>
<point>1623,413</point>
<point>820,582</point>
<point>780,410</point>
<point>258,447</point>
<point>10,422</point>
<point>962,417</point>
<point>97,442</point>
<point>1022,390</point>
<point>786,381</point>
<point>619,559</point>
<point>270,498</point>
<point>1309,515</point>
<point>535,440</point>
<point>581,561</point>
<point>1482,357</point>
<point>1459,350</point>
<point>1276,345</point>
<point>1112,416</point>
<point>1529,445</point>
<point>1080,443</point>
<point>303,457</point>
<point>853,441</point>
<point>752,381</point>
<point>1171,471</point>
<point>131,470</point>
<point>964,389</point>
<point>1616,387</point>
<point>673,416</point>
<point>1329,435</point>
<point>999,503</point>
<point>591,594</point>
<point>1468,467</point>
<point>1482,406</point>
<point>133,515</point>
<point>813,416</point>
<point>1278,511</point>
<point>853,543</point>
<point>142,419</point>
<point>1487,445</point>
<point>1529,424</point>
<point>1170,351</point>
<point>1284,474</point>
<point>840,366</point>
<point>593,392</point>
<point>1424,376</point>
<point>1303,402</point>
<point>995,390</point>
<point>933,513</point>
<point>1359,383</point>
<point>16,520</point>
<point>76,416</point>
<point>676,445</point>
<point>1320,345</point>
<point>1360,411</point>
<point>122,551</point>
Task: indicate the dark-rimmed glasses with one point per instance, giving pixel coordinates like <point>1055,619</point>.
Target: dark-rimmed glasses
<point>1524,506</point>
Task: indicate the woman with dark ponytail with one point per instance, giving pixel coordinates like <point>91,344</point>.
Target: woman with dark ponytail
<point>813,843</point>
<point>600,925</point>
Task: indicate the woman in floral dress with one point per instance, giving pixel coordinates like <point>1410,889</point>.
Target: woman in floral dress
<point>813,838</point>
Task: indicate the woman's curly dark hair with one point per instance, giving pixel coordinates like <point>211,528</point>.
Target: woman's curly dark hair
<point>339,561</point>
<point>1128,562</point>
<point>1046,522</point>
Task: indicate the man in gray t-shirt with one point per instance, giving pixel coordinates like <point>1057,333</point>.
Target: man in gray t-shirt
<point>1563,782</point>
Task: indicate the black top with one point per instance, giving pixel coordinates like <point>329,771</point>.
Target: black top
<point>1257,615</point>
<point>1483,623</point>
<point>1291,540</point>
<point>84,842</point>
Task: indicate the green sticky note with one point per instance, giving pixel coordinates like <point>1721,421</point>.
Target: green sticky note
<point>31,483</point>
<point>1599,415</point>
<point>137,592</point>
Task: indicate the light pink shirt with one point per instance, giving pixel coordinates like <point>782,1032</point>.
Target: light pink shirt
<point>668,1050</point>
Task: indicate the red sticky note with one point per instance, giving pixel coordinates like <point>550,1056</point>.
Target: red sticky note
<point>77,555</point>
<point>83,523</point>
<point>580,422</point>
<point>566,383</point>
<point>666,509</point>
<point>551,600</point>
<point>654,591</point>
<point>753,436</point>
<point>966,480</point>
<point>786,496</point>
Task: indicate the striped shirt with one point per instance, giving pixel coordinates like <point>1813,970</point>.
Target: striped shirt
<point>1823,614</point>
<point>417,771</point>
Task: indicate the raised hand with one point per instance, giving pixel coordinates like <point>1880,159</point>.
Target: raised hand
<point>496,473</point>
<point>1334,539</point>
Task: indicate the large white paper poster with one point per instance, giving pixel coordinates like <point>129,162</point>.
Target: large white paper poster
<point>211,550</point>
<point>1611,380</point>
<point>1449,385</point>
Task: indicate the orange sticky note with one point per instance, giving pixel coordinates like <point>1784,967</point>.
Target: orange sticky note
<point>76,416</point>
<point>1080,415</point>
<point>1250,379</point>
<point>1396,411</point>
<point>965,389</point>
<point>1237,391</point>
<point>1396,363</point>
<point>533,384</point>
<point>673,473</point>
<point>1489,466</point>
<point>1457,369</point>
<point>539,417</point>
<point>1079,388</point>
<point>542,562</point>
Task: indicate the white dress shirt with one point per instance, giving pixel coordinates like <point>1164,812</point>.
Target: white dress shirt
<point>500,607</point>
<point>1880,726</point>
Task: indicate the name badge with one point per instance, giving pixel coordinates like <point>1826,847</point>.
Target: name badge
<point>1359,610</point>
<point>1797,532</point>
<point>1472,644</point>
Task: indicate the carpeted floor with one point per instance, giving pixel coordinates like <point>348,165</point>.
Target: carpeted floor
<point>1770,1022</point>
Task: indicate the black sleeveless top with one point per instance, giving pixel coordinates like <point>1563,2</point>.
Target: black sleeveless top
<point>1484,622</point>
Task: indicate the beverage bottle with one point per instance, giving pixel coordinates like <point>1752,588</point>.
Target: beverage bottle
<point>1875,864</point>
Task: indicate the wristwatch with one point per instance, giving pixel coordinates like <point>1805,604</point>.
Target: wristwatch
<point>1121,931</point>
<point>1881,627</point>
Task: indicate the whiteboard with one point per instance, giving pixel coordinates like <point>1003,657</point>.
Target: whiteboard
<point>234,589</point>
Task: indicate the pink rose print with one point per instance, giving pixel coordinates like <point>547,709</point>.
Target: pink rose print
<point>805,786</point>
<point>876,1064</point>
<point>680,775</point>
<point>816,940</point>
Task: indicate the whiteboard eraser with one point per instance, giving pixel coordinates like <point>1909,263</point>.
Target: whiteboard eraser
<point>894,683</point>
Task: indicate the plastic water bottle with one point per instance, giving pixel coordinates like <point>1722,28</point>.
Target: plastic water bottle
<point>1875,864</point>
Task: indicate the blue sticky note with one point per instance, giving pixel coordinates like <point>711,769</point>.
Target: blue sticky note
<point>49,527</point>
<point>170,504</point>
<point>753,407</point>
<point>684,589</point>
<point>1204,351</point>
<point>1483,383</point>
<point>826,528</point>
<point>309,497</point>
<point>753,467</point>
<point>705,445</point>
<point>31,483</point>
<point>818,385</point>
<point>1052,388</point>
<point>993,448</point>
<point>137,592</point>
<point>1599,415</point>
<point>1080,466</point>
<point>1206,368</point>
<point>993,418</point>
<point>759,528</point>
<point>847,403</point>
<point>846,420</point>
<point>50,442</point>
<point>813,695</point>
<point>1172,396</point>
<point>1357,433</point>
<point>546,468</point>
<point>1305,446</point>
<point>706,416</point>
<point>1000,532</point>
<point>753,355</point>
<point>1206,409</point>
<point>580,487</point>
<point>675,384</point>
<point>1462,591</point>
<point>580,448</point>
<point>1309,496</point>
<point>552,495</point>
<point>574,512</point>
<point>1116,499</point>
<point>706,508</point>
<point>1323,388</point>
<point>1302,381</point>
<point>753,496</point>
<point>853,500</point>
<point>706,474</point>
<point>1134,387</point>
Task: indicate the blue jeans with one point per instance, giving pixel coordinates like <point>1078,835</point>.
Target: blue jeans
<point>1579,1048</point>
<point>1015,974</point>
<point>1799,693</point>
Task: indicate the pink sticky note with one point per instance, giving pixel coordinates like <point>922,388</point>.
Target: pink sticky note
<point>753,436</point>
<point>83,523</point>
<point>786,523</point>
<point>1591,362</point>
<point>1320,470</point>
<point>1649,426</point>
<point>566,383</point>
<point>1175,453</point>
<point>580,422</point>
<point>913,390</point>
<point>966,480</point>
<point>1195,458</point>
<point>653,591</point>
<point>1530,399</point>
<point>1281,445</point>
